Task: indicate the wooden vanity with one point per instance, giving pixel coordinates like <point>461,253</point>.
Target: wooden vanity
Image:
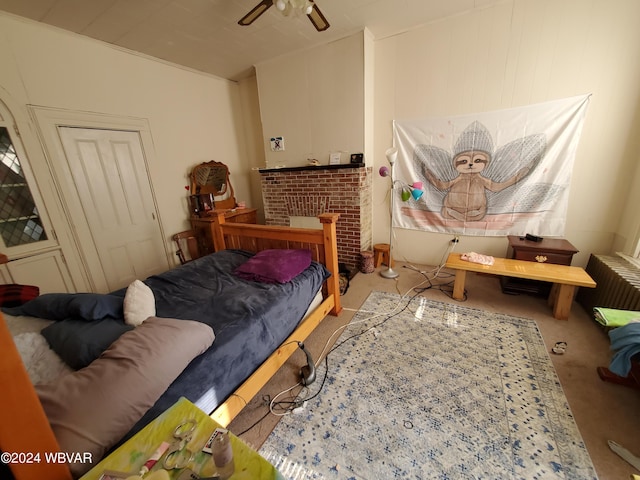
<point>203,226</point>
<point>211,193</point>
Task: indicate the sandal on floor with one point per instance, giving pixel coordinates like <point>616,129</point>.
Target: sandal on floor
<point>559,348</point>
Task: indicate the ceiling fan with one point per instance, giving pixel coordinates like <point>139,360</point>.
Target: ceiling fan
<point>308,7</point>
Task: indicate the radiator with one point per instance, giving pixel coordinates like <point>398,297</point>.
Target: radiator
<point>618,284</point>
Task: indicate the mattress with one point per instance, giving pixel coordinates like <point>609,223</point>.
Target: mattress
<point>250,321</point>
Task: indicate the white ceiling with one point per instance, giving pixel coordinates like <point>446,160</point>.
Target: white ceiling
<point>204,34</point>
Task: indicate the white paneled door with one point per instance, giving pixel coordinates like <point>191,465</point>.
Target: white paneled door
<point>109,172</point>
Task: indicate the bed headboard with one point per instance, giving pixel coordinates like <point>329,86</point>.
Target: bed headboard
<point>253,238</point>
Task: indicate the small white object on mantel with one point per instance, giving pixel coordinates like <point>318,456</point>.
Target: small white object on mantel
<point>334,158</point>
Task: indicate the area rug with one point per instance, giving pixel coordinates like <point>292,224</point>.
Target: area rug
<point>430,390</point>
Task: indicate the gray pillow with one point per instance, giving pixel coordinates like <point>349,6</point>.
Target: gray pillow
<point>91,409</point>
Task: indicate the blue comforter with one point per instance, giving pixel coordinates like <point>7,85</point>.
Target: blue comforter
<point>249,319</point>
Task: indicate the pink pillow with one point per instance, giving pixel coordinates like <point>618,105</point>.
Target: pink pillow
<point>274,266</point>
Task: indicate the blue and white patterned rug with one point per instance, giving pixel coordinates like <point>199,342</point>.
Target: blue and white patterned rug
<point>437,391</point>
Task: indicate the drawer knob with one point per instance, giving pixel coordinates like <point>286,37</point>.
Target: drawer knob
<point>541,258</point>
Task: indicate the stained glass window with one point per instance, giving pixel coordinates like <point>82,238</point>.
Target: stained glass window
<point>19,220</point>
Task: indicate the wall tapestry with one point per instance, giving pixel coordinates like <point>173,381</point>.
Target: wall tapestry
<point>504,172</point>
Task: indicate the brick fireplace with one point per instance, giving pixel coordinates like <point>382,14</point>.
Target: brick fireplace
<point>310,191</point>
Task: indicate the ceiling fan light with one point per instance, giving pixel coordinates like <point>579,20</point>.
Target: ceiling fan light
<point>281,5</point>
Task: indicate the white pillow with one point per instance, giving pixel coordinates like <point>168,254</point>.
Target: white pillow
<point>139,303</point>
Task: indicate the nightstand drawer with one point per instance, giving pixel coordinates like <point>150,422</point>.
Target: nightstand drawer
<point>543,257</point>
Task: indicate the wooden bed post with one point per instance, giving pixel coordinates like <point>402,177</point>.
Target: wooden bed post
<point>218,236</point>
<point>24,427</point>
<point>328,221</point>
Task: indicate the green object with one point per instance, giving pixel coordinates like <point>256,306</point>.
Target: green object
<point>131,455</point>
<point>610,317</point>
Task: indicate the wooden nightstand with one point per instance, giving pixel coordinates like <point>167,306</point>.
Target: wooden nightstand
<point>549,250</point>
<point>203,226</point>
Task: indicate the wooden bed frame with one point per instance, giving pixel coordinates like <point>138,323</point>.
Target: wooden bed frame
<point>24,427</point>
<point>253,238</point>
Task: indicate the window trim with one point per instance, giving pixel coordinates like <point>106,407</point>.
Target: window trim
<point>19,251</point>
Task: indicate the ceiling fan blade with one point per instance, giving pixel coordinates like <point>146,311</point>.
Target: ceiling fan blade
<point>258,10</point>
<point>318,19</point>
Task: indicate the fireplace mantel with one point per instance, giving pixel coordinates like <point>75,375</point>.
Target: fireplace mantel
<point>312,168</point>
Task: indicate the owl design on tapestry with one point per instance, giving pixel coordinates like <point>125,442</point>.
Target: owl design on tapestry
<point>474,180</point>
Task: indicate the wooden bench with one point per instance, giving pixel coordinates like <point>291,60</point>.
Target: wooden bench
<point>565,278</point>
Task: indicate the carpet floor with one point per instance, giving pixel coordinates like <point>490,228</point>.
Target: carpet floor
<point>417,388</point>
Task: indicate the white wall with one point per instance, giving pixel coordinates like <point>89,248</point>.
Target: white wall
<point>517,53</point>
<point>315,101</point>
<point>252,129</point>
<point>628,235</point>
<point>193,117</point>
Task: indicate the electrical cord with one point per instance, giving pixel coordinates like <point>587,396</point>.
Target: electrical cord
<point>254,424</point>
<point>416,288</point>
<point>297,402</point>
<point>291,404</point>
<point>450,248</point>
<point>388,317</point>
<point>446,287</point>
<point>287,407</point>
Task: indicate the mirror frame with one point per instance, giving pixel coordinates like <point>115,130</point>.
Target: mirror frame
<point>226,190</point>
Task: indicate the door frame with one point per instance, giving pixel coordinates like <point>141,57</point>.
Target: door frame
<point>47,121</point>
